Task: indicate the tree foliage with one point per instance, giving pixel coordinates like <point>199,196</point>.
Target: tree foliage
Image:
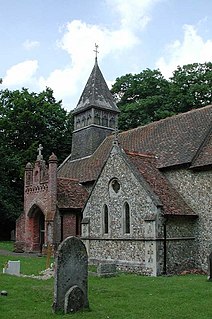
<point>191,87</point>
<point>26,120</point>
<point>148,96</point>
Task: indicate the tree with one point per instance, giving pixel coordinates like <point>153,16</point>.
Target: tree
<point>147,96</point>
<point>142,98</point>
<point>191,87</point>
<point>26,120</point>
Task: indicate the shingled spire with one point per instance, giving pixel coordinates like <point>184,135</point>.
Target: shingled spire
<point>95,115</point>
<point>96,93</point>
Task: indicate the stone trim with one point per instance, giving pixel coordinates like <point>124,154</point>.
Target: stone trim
<point>94,125</point>
<point>138,239</point>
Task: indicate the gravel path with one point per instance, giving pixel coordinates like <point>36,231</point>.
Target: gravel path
<point>12,253</point>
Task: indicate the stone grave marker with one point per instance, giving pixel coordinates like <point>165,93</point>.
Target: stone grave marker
<point>12,268</point>
<point>210,267</point>
<point>71,276</point>
<point>106,270</point>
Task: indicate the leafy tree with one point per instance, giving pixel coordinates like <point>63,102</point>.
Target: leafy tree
<point>191,87</point>
<point>142,98</point>
<point>147,96</point>
<point>26,120</point>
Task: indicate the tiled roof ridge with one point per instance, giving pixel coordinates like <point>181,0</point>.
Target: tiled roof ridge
<point>183,114</point>
<point>67,178</point>
<point>147,155</point>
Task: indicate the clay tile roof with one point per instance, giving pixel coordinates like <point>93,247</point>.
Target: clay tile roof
<point>71,194</point>
<point>204,155</point>
<point>173,203</point>
<point>96,93</point>
<point>175,141</point>
<point>88,168</point>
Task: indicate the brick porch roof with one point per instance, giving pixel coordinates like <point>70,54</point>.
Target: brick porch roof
<point>71,194</point>
<point>175,141</point>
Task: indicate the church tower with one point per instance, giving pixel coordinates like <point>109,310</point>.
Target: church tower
<point>95,116</point>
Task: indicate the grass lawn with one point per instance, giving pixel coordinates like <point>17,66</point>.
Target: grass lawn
<point>7,245</point>
<point>124,296</point>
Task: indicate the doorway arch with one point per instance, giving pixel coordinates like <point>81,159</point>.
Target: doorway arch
<point>36,228</point>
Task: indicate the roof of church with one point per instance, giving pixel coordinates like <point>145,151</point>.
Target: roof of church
<point>175,140</point>
<point>173,203</point>
<point>71,194</point>
<point>204,154</point>
<point>96,93</point>
<point>183,139</point>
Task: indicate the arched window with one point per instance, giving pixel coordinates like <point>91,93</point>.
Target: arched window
<point>126,218</point>
<point>105,219</point>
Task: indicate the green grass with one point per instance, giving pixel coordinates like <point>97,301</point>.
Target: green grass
<point>7,245</point>
<point>29,265</point>
<point>125,296</point>
<point>121,297</point>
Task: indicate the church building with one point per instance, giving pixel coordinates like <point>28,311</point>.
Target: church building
<point>141,199</point>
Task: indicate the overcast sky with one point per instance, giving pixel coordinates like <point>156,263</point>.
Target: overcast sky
<point>51,42</point>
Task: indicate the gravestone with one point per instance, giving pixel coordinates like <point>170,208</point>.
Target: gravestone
<point>12,268</point>
<point>71,276</point>
<point>210,267</point>
<point>106,270</point>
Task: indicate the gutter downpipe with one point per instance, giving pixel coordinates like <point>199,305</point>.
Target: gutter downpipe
<point>164,246</point>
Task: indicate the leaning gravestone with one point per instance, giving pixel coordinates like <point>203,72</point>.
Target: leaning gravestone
<point>71,277</point>
<point>210,267</point>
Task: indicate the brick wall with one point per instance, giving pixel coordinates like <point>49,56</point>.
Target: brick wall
<point>69,225</point>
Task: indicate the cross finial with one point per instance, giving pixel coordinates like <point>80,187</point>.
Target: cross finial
<point>40,156</point>
<point>96,51</point>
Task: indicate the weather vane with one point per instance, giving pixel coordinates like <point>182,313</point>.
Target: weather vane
<point>96,50</point>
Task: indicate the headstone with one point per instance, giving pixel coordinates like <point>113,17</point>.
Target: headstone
<point>71,276</point>
<point>12,235</point>
<point>106,270</point>
<point>210,267</point>
<point>12,268</point>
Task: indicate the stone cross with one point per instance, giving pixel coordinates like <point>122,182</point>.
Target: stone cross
<point>40,156</point>
<point>71,277</point>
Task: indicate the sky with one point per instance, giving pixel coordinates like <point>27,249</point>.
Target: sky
<point>51,43</point>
